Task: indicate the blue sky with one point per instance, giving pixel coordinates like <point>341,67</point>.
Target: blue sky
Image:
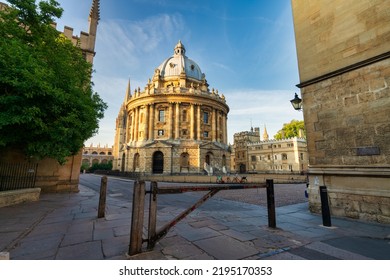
<point>246,49</point>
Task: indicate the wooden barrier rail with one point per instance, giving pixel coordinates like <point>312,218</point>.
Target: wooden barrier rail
<point>154,235</point>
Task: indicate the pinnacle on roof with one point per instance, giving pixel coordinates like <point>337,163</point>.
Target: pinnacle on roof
<point>180,49</point>
<point>95,10</point>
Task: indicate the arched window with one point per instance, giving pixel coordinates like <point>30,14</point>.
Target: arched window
<point>223,160</point>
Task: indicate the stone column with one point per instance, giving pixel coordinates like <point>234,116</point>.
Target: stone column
<point>218,127</point>
<point>213,123</point>
<point>170,121</point>
<point>151,122</point>
<point>146,127</point>
<point>192,122</point>
<point>177,121</point>
<point>198,123</point>
<point>127,129</point>
<point>136,122</point>
<point>133,125</point>
<point>225,129</point>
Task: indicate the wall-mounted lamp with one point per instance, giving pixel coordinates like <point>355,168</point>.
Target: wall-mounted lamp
<point>296,103</point>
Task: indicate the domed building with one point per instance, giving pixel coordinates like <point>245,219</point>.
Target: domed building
<point>175,125</point>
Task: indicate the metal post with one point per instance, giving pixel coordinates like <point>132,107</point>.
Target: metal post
<point>102,197</point>
<point>271,204</point>
<point>326,221</point>
<point>137,218</point>
<point>152,215</point>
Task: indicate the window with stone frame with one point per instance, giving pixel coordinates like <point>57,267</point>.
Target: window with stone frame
<point>161,115</point>
<point>206,117</point>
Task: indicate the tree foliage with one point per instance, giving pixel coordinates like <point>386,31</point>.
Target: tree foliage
<point>290,130</point>
<point>98,166</point>
<point>47,106</point>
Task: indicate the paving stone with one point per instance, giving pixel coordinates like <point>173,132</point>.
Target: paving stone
<point>197,234</point>
<point>200,224</point>
<point>310,254</point>
<point>81,227</point>
<point>374,248</point>
<point>36,249</point>
<point>336,252</point>
<point>218,227</point>
<point>117,246</point>
<point>100,234</point>
<point>76,238</point>
<point>173,240</point>
<point>84,251</point>
<point>152,255</point>
<point>225,248</point>
<point>122,230</point>
<point>181,251</point>
<point>241,236</point>
<point>282,256</point>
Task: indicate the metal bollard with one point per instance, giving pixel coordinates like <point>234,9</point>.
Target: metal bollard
<point>102,197</point>
<point>326,221</point>
<point>271,204</point>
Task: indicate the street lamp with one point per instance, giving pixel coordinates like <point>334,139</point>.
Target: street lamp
<point>296,103</point>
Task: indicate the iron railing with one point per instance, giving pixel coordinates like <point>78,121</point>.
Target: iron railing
<point>17,176</point>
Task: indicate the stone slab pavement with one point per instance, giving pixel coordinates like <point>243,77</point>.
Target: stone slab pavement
<point>66,227</point>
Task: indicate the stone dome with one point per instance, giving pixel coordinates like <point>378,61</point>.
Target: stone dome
<point>179,63</point>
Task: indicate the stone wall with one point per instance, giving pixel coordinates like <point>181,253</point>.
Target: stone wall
<point>347,117</point>
<point>333,34</point>
<point>344,66</point>
<point>50,175</point>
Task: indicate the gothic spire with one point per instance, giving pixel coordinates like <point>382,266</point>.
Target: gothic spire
<point>128,91</point>
<point>95,10</point>
<point>265,134</point>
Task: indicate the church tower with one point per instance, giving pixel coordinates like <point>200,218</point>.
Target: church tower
<point>86,41</point>
<point>94,17</point>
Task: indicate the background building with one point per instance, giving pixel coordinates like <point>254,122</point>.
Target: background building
<point>96,154</point>
<point>270,155</point>
<point>344,66</point>
<point>176,124</point>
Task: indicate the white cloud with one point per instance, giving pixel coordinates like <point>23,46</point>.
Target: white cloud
<point>259,108</point>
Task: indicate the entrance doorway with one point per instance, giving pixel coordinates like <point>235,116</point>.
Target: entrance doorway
<point>158,163</point>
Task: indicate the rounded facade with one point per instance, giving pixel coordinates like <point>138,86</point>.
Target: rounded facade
<point>175,125</point>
